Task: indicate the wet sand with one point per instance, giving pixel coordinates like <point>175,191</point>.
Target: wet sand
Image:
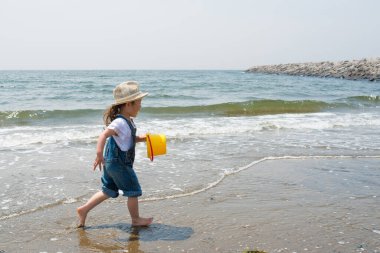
<point>310,205</point>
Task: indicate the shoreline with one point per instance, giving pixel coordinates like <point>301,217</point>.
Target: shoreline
<point>367,69</point>
<point>274,206</point>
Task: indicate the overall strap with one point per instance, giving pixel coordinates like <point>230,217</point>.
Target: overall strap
<point>131,152</point>
<point>131,126</point>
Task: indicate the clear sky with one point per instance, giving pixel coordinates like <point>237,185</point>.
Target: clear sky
<point>184,34</point>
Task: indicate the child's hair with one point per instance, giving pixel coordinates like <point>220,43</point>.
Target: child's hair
<point>111,113</point>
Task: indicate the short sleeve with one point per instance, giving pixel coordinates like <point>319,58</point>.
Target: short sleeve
<point>124,135</point>
<point>116,125</point>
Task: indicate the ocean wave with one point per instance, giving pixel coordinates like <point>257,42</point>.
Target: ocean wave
<point>248,108</point>
<point>31,117</point>
<point>266,107</point>
<point>188,128</point>
<point>235,109</point>
<point>166,96</point>
<point>367,100</point>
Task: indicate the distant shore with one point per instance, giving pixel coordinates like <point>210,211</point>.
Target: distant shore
<point>368,68</point>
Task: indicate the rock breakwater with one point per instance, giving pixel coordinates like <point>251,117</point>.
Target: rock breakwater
<point>352,70</point>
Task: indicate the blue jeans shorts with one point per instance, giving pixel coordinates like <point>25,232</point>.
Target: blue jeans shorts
<point>118,175</point>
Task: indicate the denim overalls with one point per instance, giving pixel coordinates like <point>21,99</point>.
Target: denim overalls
<point>118,173</point>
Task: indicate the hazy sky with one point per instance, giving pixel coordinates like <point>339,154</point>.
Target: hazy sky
<point>184,34</point>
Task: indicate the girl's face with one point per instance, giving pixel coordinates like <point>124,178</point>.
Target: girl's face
<point>132,109</point>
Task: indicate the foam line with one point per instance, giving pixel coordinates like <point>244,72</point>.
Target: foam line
<point>237,170</point>
<point>209,186</point>
<point>62,201</point>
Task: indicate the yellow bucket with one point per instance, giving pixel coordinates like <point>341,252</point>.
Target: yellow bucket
<point>155,145</point>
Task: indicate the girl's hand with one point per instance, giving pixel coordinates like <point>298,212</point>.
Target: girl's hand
<point>99,161</point>
<point>141,138</point>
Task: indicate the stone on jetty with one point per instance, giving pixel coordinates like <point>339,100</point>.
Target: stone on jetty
<point>352,70</point>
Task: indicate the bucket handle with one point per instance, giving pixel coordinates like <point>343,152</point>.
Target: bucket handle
<point>151,148</point>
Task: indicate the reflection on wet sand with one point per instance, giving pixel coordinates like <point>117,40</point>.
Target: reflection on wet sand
<point>93,242</point>
<point>112,237</point>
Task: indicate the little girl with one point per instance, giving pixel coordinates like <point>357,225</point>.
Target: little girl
<point>119,154</point>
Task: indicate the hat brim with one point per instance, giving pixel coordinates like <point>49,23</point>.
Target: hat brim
<point>134,97</point>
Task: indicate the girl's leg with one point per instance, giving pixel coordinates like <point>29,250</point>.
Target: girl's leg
<point>133,207</point>
<point>95,200</point>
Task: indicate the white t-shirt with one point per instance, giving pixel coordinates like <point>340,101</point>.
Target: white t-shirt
<point>124,136</point>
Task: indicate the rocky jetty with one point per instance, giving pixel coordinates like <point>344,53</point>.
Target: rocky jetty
<point>353,70</point>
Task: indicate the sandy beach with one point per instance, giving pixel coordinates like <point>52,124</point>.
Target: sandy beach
<point>274,206</point>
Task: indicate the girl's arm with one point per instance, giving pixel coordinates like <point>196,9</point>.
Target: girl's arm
<point>99,160</point>
<point>141,138</point>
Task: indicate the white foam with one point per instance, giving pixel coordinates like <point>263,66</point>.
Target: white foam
<point>177,189</point>
<point>41,178</point>
<point>184,128</point>
<point>6,201</point>
<point>180,128</point>
<point>48,205</point>
<point>25,136</point>
<point>70,201</point>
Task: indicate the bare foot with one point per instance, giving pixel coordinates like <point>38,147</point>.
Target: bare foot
<point>141,222</point>
<point>82,214</point>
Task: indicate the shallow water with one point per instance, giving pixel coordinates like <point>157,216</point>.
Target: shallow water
<point>288,204</point>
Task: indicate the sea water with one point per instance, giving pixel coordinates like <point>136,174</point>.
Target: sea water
<point>217,123</point>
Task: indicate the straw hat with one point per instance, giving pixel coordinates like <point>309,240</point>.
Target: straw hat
<point>127,92</point>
